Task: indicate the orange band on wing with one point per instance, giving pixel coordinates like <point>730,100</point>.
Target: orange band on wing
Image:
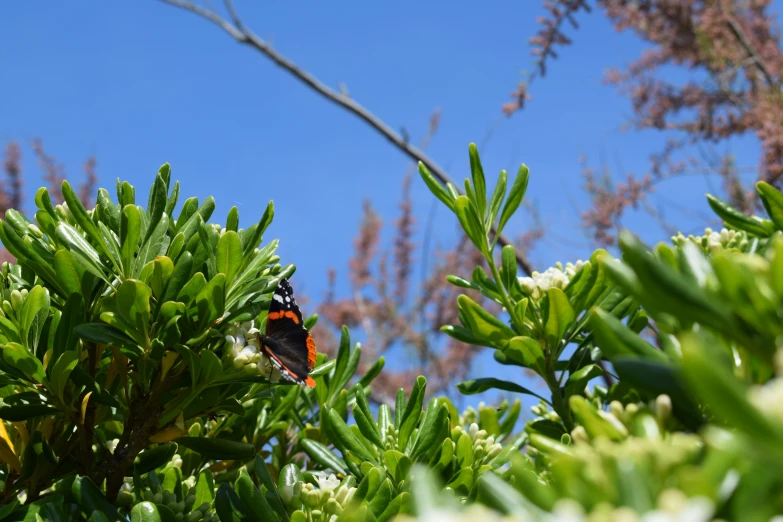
<point>310,351</point>
<point>310,382</point>
<point>284,313</point>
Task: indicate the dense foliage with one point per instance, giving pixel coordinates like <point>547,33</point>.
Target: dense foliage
<point>133,386</point>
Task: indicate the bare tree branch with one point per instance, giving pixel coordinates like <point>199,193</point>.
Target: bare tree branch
<point>241,34</point>
<point>739,34</point>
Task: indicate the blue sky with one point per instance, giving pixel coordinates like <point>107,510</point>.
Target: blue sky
<point>141,83</point>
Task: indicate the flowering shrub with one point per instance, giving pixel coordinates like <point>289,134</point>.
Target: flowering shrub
<point>133,385</point>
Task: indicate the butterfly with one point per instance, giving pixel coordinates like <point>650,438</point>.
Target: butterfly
<point>287,342</point>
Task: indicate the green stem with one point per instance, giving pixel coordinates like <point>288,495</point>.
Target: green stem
<point>558,403</point>
<point>504,295</point>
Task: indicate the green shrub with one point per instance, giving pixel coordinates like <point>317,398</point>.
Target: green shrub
<point>132,386</point>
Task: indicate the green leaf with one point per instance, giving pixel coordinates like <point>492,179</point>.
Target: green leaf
<point>462,334</point>
<point>725,395</point>
<point>189,209</point>
<point>81,250</point>
<point>323,456</point>
<point>482,324</point>
<point>410,418</point>
<point>502,496</point>
<point>130,232</point>
<point>462,282</point>
<point>346,440</point>
<point>736,219</point>
<point>381,498</point>
<point>145,512</point>
<point>44,202</point>
<point>210,366</point>
<point>322,369</point>
<point>126,193</point>
<point>155,246</point>
<point>773,202</point>
<point>398,464</point>
<point>497,197</point>
<point>232,221</point>
<point>250,241</point>
<point>204,488</point>
<point>515,196</point>
<point>23,412</point>
<point>666,290</point>
<point>527,352</point>
<point>560,317</point>
<point>364,418</point>
<point>103,334</point>
<point>210,301</point>
<point>475,386</point>
<point>157,200</point>
<point>471,224</point>
<point>289,476</point>
<point>82,217</point>
<point>553,430</point>
<point>68,271</point>
<point>179,278</point>
<point>273,495</point>
<point>617,340</point>
<point>61,371</point>
<point>578,380</point>
<point>656,379</point>
<point>109,212</point>
<point>17,356</point>
<point>218,449</point>
<point>152,458</point>
<point>479,182</point>
<point>162,270</point>
<point>372,372</point>
<point>33,315</point>
<point>172,201</point>
<point>133,304</point>
<point>90,498</point>
<point>433,429</point>
<point>229,255</point>
<point>254,502</point>
<point>228,506</point>
<point>595,425</point>
<point>347,362</point>
<point>508,266</point>
<point>464,451</point>
<point>436,187</point>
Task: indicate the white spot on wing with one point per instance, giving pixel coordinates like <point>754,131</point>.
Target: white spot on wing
<point>278,298</point>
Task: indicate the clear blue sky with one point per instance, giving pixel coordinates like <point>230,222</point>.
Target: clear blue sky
<point>141,83</point>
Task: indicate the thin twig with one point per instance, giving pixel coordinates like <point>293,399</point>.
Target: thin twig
<point>743,40</point>
<point>241,34</point>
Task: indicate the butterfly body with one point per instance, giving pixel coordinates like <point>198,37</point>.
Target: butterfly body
<point>286,341</point>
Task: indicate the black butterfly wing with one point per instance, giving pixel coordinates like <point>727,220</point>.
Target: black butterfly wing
<point>287,342</point>
<point>284,313</point>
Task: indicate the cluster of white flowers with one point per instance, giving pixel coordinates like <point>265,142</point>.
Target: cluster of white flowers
<point>555,277</point>
<point>542,410</point>
<point>330,498</point>
<point>713,241</point>
<point>244,348</point>
<point>484,445</point>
